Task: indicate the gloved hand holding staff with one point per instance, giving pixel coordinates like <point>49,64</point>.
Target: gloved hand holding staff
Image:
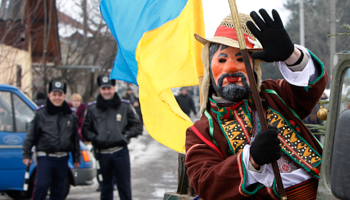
<point>262,55</point>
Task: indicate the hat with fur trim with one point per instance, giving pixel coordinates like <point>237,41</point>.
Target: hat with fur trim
<point>226,35</point>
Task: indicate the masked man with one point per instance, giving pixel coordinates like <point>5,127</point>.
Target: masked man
<point>228,155</point>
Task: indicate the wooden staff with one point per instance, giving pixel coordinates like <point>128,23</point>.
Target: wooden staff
<point>255,91</point>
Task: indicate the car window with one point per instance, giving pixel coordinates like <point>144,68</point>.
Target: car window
<point>6,117</point>
<point>23,114</point>
<point>340,182</point>
<point>345,100</point>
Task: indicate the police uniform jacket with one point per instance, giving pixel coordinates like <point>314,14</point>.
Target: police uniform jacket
<point>53,129</point>
<point>110,123</point>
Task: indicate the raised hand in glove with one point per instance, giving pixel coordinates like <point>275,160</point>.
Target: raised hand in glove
<point>266,147</point>
<point>277,45</point>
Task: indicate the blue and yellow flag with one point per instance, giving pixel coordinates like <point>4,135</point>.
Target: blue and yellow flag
<point>157,51</point>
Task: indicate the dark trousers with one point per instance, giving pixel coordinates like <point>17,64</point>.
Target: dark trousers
<point>51,173</point>
<point>116,164</point>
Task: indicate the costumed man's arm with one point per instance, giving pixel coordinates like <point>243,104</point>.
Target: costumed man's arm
<point>277,46</point>
<point>300,71</point>
<point>214,172</point>
<point>303,72</point>
<point>216,175</point>
<point>213,175</point>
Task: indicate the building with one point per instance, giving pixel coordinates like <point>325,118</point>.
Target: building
<point>28,36</point>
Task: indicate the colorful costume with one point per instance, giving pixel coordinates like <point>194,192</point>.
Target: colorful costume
<point>217,145</point>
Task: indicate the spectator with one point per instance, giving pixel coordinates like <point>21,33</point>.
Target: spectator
<point>54,133</point>
<point>109,124</point>
<point>40,99</point>
<point>78,107</point>
<point>186,102</point>
<point>137,107</point>
<point>129,95</point>
<point>313,119</point>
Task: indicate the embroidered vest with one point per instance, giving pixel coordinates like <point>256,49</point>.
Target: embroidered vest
<point>237,124</point>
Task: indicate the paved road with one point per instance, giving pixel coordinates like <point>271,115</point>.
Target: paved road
<point>154,172</point>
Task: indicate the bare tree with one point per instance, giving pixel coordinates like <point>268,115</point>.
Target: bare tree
<point>14,48</point>
<point>317,26</point>
<point>91,44</point>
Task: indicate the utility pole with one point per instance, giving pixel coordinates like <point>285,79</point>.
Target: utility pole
<point>332,31</point>
<point>85,17</point>
<point>301,22</point>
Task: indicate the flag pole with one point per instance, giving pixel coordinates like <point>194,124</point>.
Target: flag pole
<point>255,91</point>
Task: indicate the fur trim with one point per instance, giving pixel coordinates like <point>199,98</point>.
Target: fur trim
<point>206,77</point>
<point>52,109</point>
<point>105,104</point>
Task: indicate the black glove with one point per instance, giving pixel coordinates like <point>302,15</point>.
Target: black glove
<point>277,45</point>
<point>266,147</point>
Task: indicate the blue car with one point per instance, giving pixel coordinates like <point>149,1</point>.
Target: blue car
<point>16,113</point>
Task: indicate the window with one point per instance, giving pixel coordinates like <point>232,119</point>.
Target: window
<point>23,113</point>
<point>12,9</point>
<point>6,117</point>
<point>345,99</point>
<point>340,178</point>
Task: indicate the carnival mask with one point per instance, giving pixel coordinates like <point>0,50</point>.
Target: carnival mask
<point>228,73</point>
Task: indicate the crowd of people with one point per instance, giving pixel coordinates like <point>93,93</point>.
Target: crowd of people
<point>107,124</point>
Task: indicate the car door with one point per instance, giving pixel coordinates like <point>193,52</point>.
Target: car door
<point>15,116</point>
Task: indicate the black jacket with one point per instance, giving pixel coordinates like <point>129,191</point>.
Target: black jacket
<point>186,103</point>
<point>53,129</point>
<point>110,123</point>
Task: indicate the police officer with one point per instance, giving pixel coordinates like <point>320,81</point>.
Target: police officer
<point>54,133</point>
<point>109,124</point>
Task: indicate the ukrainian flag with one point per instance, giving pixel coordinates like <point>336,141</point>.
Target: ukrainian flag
<point>157,51</point>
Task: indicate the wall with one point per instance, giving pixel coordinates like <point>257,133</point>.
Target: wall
<point>10,59</point>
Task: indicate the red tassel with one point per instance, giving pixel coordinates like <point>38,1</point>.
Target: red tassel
<point>316,170</point>
<point>292,122</point>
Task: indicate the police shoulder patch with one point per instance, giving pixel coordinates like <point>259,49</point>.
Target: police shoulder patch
<point>40,107</point>
<point>91,103</point>
<point>126,101</point>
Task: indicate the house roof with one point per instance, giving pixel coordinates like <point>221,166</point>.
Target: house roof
<point>36,21</point>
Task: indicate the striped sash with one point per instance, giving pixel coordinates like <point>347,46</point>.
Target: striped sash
<point>306,190</point>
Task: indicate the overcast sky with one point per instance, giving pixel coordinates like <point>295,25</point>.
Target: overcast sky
<point>216,10</point>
